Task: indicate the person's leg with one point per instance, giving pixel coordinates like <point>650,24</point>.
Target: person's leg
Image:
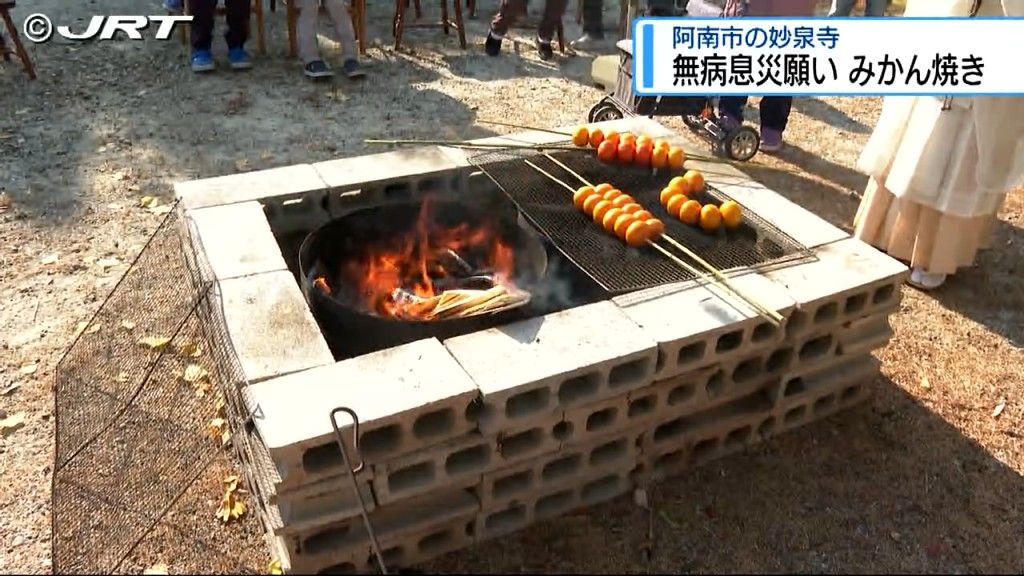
<point>875,8</point>
<point>774,112</point>
<point>313,65</point>
<point>841,7</point>
<point>730,110</point>
<point>342,20</point>
<point>508,11</point>
<point>553,12</point>
<point>238,12</point>
<point>593,25</point>
<point>201,31</point>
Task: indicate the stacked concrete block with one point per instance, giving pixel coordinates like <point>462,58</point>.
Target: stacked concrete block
<point>484,434</point>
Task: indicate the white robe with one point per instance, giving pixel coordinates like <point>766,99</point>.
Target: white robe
<point>961,161</point>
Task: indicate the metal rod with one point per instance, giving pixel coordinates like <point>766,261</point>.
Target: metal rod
<point>352,476</point>
<point>750,301</point>
<point>469,144</point>
<point>542,171</point>
<point>523,127</point>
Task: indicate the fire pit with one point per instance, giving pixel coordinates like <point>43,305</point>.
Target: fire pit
<point>386,275</point>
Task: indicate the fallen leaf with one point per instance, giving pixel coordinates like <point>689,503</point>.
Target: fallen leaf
<point>999,409</point>
<point>122,377</point>
<point>640,498</point>
<point>242,165</point>
<point>159,568</point>
<point>127,324</point>
<point>155,342</point>
<point>108,262</point>
<point>81,326</point>
<point>925,383</point>
<point>5,202</point>
<point>161,210</point>
<point>231,483</point>
<point>12,423</point>
<point>94,328</point>
<point>149,201</point>
<point>190,349</point>
<point>220,407</point>
<point>219,430</point>
<point>274,567</point>
<point>49,259</point>
<point>10,389</point>
<point>28,369</point>
<point>231,507</point>
<point>194,373</point>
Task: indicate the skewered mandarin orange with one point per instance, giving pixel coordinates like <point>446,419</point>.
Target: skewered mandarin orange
<point>596,137</point>
<point>607,152</point>
<point>659,157</point>
<point>678,183</point>
<point>622,201</point>
<point>581,194</point>
<point>589,203</point>
<point>609,219</point>
<point>637,233</point>
<point>643,214</point>
<point>632,208</point>
<point>732,214</point>
<point>695,180</point>
<point>622,223</point>
<point>662,144</point>
<point>667,193</point>
<point>626,152</point>
<point>612,194</point>
<point>581,136</point>
<point>603,187</point>
<point>644,139</point>
<point>710,218</point>
<point>689,212</point>
<point>628,137</point>
<point>657,228</point>
<point>676,157</point>
<point>599,211</point>
<point>612,136</point>
<point>643,154</point>
<point>675,203</point>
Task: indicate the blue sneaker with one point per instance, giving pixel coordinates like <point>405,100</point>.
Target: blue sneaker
<point>239,59</point>
<point>202,61</point>
<point>174,6</point>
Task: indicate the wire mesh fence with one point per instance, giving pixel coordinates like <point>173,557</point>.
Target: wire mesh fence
<point>139,397</point>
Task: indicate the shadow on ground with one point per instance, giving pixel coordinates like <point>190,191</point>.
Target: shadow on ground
<point>807,501</point>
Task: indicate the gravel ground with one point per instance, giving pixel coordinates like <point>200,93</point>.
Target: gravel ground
<point>924,478</point>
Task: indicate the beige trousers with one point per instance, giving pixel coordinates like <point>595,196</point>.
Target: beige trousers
<point>306,28</point>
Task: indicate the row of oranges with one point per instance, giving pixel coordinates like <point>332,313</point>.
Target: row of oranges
<point>676,199</point>
<point>618,214</point>
<point>630,149</point>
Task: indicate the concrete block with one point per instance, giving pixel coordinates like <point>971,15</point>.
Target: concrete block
<point>529,369</point>
<point>454,463</point>
<point>271,327</point>
<point>348,543</point>
<point>850,280</point>
<point>570,466</point>
<point>236,239</point>
<point>540,437</point>
<point>393,175</point>
<point>544,505</point>
<point>406,397</point>
<point>585,423</point>
<point>800,224</point>
<point>859,337</point>
<point>814,350</point>
<point>287,181</point>
<point>806,387</point>
<point>695,328</point>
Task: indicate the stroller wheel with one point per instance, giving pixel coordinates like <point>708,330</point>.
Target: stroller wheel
<point>741,143</point>
<point>605,111</point>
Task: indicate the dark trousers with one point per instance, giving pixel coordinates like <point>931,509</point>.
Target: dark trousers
<point>774,110</point>
<point>593,24</point>
<point>202,22</point>
<point>510,10</point>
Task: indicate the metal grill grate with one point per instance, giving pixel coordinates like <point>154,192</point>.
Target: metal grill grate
<point>616,267</point>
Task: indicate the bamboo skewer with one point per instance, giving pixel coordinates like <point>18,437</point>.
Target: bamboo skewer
<point>729,292</point>
<point>752,302</point>
<point>466,144</point>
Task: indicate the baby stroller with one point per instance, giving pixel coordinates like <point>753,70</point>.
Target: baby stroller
<point>738,143</point>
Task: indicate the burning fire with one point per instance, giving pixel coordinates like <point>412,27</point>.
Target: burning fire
<point>394,280</point>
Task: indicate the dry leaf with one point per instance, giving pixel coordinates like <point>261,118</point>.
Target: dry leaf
<point>158,568</point>
<point>122,377</point>
<point>274,567</point>
<point>641,499</point>
<point>242,165</point>
<point>10,389</point>
<point>108,262</point>
<point>127,324</point>
<point>231,507</point>
<point>155,342</point>
<point>925,383</point>
<point>231,483</point>
<point>194,373</point>
<point>28,369</point>
<point>5,202</point>
<point>220,407</point>
<point>999,409</point>
<point>12,423</point>
<point>219,430</point>
<point>94,328</point>
<point>160,210</point>
<point>149,201</point>
<point>190,349</point>
<point>48,259</point>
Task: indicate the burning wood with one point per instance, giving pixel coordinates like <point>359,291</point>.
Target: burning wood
<point>461,303</point>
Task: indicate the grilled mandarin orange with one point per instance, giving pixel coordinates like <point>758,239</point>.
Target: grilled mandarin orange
<point>732,214</point>
<point>612,194</point>
<point>581,194</point>
<point>581,136</point>
<point>710,218</point>
<point>675,203</point>
<point>695,180</point>
<point>600,209</point>
<point>609,219</point>
<point>657,228</point>
<point>637,233</point>
<point>676,157</point>
<point>596,137</point>
<point>590,202</point>
<point>689,212</point>
<point>607,152</point>
<point>622,223</point>
<point>622,201</point>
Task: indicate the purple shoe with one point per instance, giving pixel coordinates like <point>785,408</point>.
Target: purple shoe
<point>729,122</point>
<point>771,140</point>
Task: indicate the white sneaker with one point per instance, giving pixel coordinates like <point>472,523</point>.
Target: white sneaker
<point>925,280</point>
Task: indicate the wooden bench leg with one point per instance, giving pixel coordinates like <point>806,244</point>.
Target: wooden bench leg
<point>19,49</point>
<point>399,22</point>
<point>293,41</point>
<point>458,22</point>
<point>261,39</point>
